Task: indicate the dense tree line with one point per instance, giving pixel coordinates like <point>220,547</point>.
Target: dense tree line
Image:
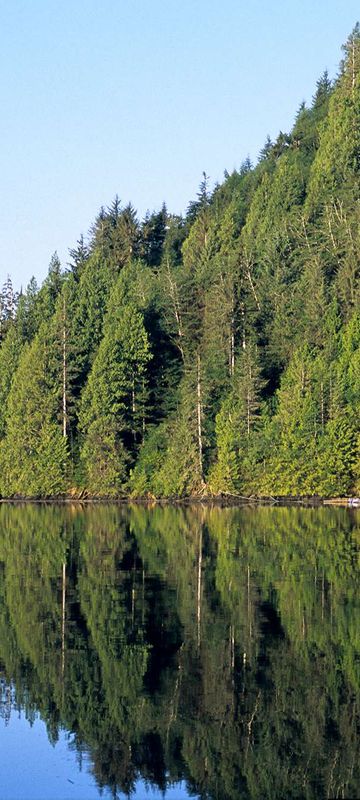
<point>218,647</point>
<point>215,352</point>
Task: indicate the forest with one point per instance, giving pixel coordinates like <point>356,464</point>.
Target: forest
<point>214,353</point>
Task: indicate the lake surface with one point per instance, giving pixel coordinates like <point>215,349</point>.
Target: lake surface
<point>179,652</point>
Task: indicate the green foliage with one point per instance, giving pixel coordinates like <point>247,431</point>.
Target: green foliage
<point>337,161</point>
<point>217,647</point>
<point>143,478</point>
<point>9,359</point>
<point>238,427</point>
<point>114,402</point>
<point>249,308</point>
<point>33,454</point>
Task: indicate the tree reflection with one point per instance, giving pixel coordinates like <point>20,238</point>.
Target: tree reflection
<point>215,646</point>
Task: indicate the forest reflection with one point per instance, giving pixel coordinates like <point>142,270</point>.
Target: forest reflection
<point>220,647</point>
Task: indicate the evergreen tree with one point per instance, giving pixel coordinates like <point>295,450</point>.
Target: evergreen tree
<point>8,304</point>
<point>9,359</point>
<point>33,455</point>
<point>113,410</point>
<point>79,256</point>
<point>238,427</point>
<point>153,234</point>
<point>219,352</point>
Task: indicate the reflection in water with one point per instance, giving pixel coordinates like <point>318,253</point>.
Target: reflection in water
<point>217,647</point>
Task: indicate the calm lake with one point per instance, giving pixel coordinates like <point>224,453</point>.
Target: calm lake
<point>179,652</point>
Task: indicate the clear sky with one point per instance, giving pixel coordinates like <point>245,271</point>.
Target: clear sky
<point>138,98</point>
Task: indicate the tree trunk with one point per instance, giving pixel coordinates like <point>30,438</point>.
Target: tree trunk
<point>63,619</point>
<point>232,343</point>
<point>133,408</point>
<point>199,427</point>
<point>64,403</point>
<point>199,589</point>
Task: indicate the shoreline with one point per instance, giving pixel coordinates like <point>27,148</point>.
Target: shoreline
<point>221,501</point>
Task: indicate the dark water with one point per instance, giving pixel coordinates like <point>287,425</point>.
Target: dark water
<point>179,653</point>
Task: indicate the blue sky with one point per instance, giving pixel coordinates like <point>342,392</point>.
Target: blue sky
<point>138,98</point>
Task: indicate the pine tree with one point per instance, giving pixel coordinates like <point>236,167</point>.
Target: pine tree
<point>33,455</point>
<point>153,233</point>
<point>237,428</point>
<point>8,305</point>
<point>337,161</point>
<point>292,466</point>
<point>9,358</point>
<point>217,351</point>
<point>79,256</point>
<point>50,289</point>
<point>195,207</point>
<point>113,410</point>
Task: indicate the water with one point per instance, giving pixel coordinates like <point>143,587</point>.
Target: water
<point>169,652</point>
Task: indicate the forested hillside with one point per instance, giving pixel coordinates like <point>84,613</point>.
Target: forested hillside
<point>213,353</point>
